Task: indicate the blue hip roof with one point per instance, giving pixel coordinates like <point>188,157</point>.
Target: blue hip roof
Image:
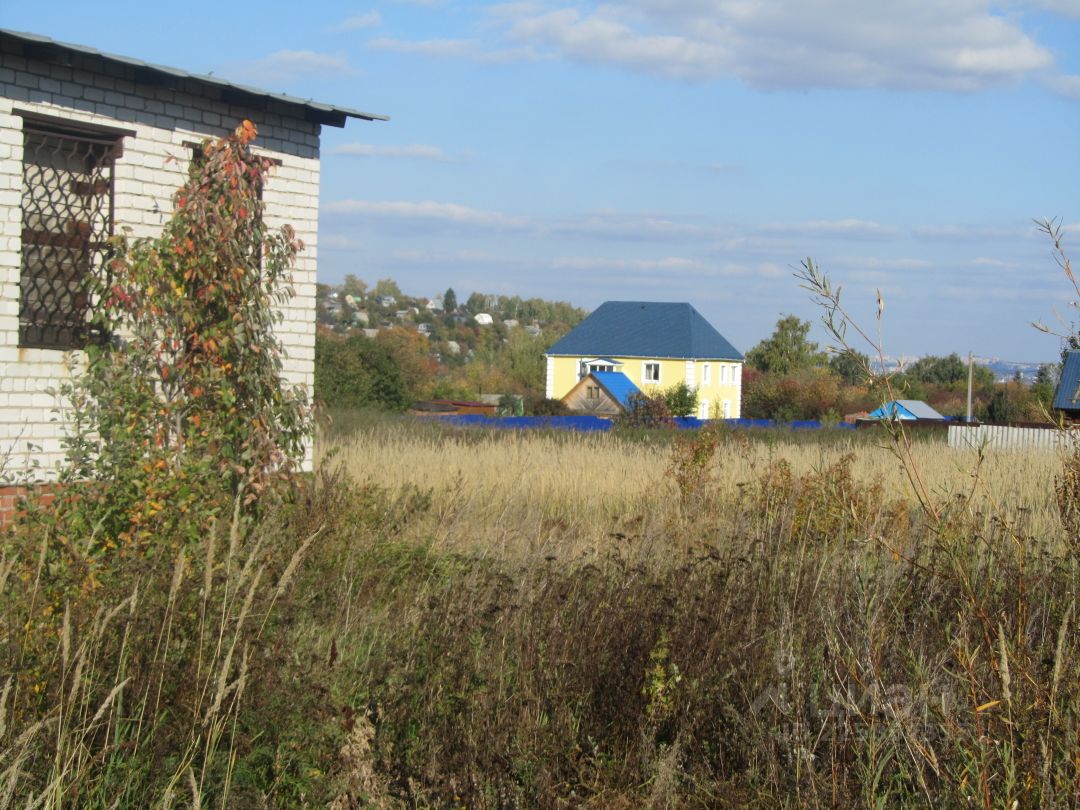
<point>645,329</point>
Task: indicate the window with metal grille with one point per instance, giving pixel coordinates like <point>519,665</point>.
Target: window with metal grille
<point>67,219</point>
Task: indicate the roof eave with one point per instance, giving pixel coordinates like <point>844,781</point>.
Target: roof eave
<point>43,48</point>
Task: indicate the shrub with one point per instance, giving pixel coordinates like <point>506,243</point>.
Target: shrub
<point>681,399</point>
<point>357,372</point>
<point>186,405</point>
<point>643,411</point>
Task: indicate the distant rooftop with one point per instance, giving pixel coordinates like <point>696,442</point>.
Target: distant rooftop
<point>618,385</point>
<point>646,329</point>
<point>48,50</point>
<point>906,409</point>
<point>1067,396</point>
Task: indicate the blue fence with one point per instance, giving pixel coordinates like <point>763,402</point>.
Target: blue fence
<point>594,424</point>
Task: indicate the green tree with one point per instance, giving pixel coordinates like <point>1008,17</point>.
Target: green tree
<point>787,350</point>
<point>477,302</point>
<point>850,366</point>
<point>1045,384</point>
<point>681,399</point>
<point>358,372</point>
<point>387,286</point>
<point>353,286</point>
<point>449,301</point>
<point>950,370</point>
<point>1002,407</point>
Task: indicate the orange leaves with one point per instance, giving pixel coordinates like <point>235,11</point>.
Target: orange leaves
<point>246,132</point>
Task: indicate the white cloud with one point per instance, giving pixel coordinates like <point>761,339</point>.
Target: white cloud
<point>1066,85</point>
<point>605,38</point>
<point>969,233</point>
<point>1066,8</point>
<point>416,150</point>
<point>286,65</point>
<point>878,263</point>
<point>367,19</point>
<point>669,263</point>
<point>961,45</point>
<point>852,229</point>
<point>440,258</point>
<point>426,212</point>
<point>646,227</point>
<point>471,49</point>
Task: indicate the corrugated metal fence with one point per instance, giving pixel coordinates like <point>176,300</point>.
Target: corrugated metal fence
<point>590,424</point>
<point>1004,437</point>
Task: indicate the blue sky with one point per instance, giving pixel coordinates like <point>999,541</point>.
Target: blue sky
<point>687,150</point>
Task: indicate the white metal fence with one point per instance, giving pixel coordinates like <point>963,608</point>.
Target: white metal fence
<point>1002,437</point>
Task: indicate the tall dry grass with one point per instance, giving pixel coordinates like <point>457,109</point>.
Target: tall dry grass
<point>528,620</point>
<point>568,495</point>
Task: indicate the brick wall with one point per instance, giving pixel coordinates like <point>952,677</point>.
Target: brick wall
<point>94,91</point>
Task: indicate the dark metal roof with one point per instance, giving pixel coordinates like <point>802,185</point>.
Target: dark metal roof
<point>619,387</point>
<point>39,47</point>
<point>1067,395</point>
<point>645,329</point>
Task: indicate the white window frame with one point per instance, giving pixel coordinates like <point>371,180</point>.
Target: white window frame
<point>645,380</point>
<point>726,408</point>
<point>703,409</point>
<point>706,373</point>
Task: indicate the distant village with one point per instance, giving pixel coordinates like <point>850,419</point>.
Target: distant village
<point>510,355</point>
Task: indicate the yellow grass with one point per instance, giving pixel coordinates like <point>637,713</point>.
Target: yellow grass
<point>570,495</point>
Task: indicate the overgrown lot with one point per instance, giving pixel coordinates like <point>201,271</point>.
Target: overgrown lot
<point>454,619</point>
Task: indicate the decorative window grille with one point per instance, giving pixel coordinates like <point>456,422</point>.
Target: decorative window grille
<point>67,220</point>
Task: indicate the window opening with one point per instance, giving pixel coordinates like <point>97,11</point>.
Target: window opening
<point>651,372</point>
<point>67,221</point>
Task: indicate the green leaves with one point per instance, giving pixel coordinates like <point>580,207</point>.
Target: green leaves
<point>195,382</point>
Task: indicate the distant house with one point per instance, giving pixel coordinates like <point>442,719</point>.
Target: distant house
<point>601,393</point>
<point>1067,396</point>
<point>655,345</point>
<point>483,319</point>
<point>387,301</point>
<point>435,304</point>
<point>905,409</point>
<point>93,145</point>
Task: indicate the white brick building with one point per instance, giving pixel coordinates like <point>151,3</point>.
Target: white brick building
<point>93,144</point>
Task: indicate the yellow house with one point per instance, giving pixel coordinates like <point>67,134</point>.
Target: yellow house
<point>656,345</point>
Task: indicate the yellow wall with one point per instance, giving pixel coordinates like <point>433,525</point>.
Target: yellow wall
<point>563,375</point>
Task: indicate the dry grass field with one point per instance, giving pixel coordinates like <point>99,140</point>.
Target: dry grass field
<point>567,494</point>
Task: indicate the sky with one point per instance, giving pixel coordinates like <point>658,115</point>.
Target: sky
<point>676,150</point>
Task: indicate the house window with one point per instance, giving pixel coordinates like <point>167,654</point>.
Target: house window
<point>601,367</point>
<point>727,409</point>
<point>703,409</point>
<point>650,372</point>
<point>592,392</point>
<point>67,220</point>
<point>706,373</point>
